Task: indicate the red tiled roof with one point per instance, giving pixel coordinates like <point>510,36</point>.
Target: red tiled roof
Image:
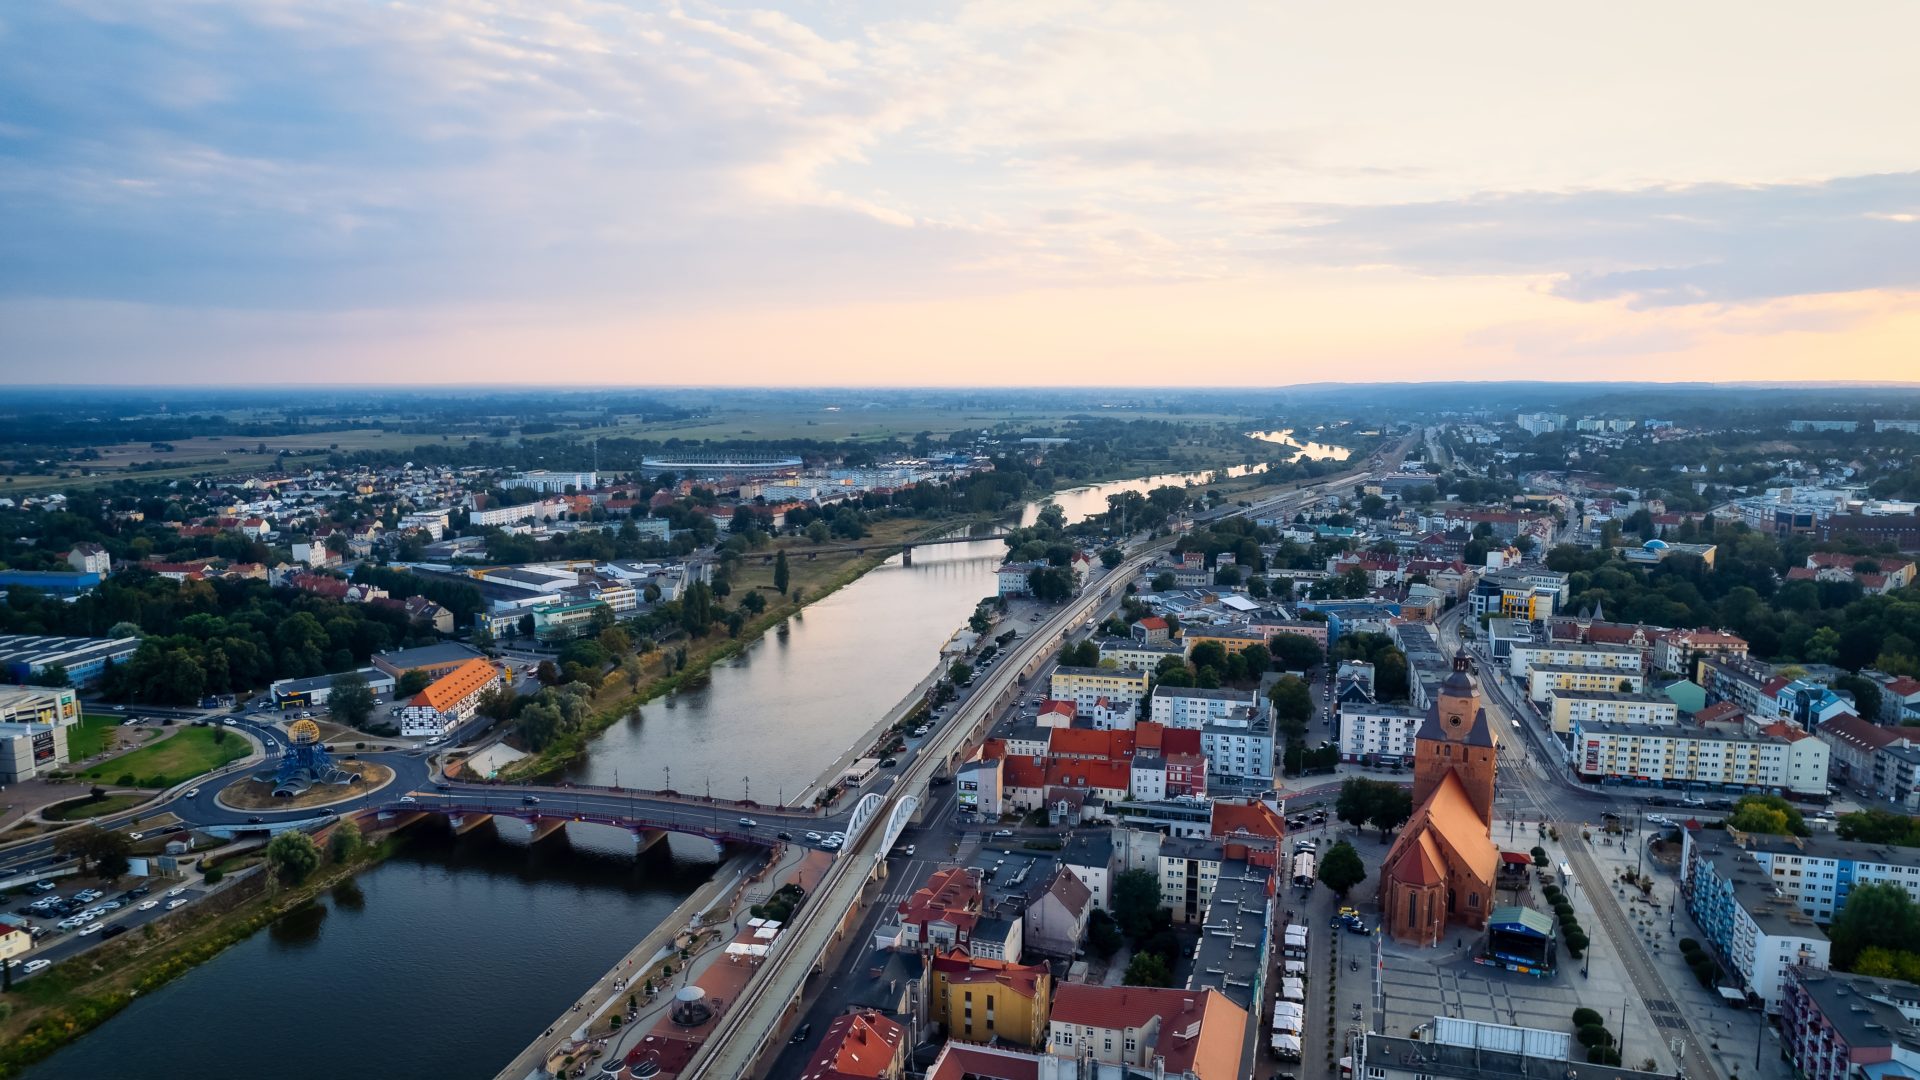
<point>1200,1031</point>
<point>857,1046</point>
<point>958,1061</point>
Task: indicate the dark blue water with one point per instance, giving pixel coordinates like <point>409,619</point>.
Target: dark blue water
<point>444,961</point>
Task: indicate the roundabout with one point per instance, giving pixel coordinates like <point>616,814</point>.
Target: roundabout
<point>252,793</point>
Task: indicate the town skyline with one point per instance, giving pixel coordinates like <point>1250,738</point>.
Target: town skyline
<point>976,195</point>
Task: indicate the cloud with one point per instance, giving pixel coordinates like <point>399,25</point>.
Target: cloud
<point>1651,247</point>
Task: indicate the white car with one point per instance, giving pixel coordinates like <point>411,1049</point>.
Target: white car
<point>748,822</point>
<point>178,890</point>
<point>814,836</point>
<point>38,965</point>
<point>136,836</point>
<point>112,905</point>
<point>93,929</point>
<point>148,905</point>
<point>193,793</point>
<point>171,904</point>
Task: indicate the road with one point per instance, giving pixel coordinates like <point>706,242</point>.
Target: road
<point>1569,806</point>
<point>737,1042</point>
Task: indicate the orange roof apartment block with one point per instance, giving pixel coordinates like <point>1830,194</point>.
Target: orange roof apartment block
<point>1196,1031</point>
<point>449,700</point>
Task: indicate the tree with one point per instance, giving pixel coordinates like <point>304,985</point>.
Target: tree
<point>345,842</point>
<point>781,574</point>
<point>51,675</point>
<point>1341,868</point>
<point>547,673</point>
<point>411,683</point>
<point>1769,814</point>
<point>1878,914</point>
<point>102,851</point>
<point>1050,584</point>
<point>1146,969</point>
<point>1103,934</point>
<point>1355,804</point>
<point>1292,702</point>
<point>350,700</point>
<point>293,856</point>
<point>960,672</point>
<point>1295,652</point>
<point>1136,902</point>
<point>1111,557</point>
<point>1866,694</point>
<point>1392,806</point>
<point>1162,582</point>
<point>483,638</point>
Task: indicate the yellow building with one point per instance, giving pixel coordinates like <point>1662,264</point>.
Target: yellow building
<point>17,942</point>
<point>1086,686</point>
<point>1230,640</point>
<point>977,1000</point>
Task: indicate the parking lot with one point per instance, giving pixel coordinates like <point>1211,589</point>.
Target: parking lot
<point>68,923</point>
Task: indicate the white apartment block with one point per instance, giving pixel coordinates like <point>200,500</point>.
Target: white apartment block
<point>1522,657</point>
<point>1131,655</point>
<point>1817,872</point>
<point>1647,753</point>
<point>1193,707</point>
<point>557,482</point>
<point>1590,707</point>
<point>1545,680</point>
<point>1377,731</point>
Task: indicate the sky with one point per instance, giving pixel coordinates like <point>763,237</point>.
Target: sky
<point>1007,192</point>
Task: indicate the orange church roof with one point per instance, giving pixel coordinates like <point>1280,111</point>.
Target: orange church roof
<point>1444,828</point>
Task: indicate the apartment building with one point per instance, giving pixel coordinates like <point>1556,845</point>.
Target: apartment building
<point>1546,680</point>
<point>1379,734</point>
<point>1239,746</point>
<point>1194,707</point>
<point>1232,639</point>
<point>1131,655</point>
<point>1191,1033</point>
<point>448,701</point>
<point>1818,872</point>
<point>982,1000</point>
<point>1572,654</point>
<point>1758,934</point>
<point>1594,707</point>
<point>1850,1027</point>
<point>1085,687</point>
<point>1188,869</point>
<point>1776,760</point>
<point>1680,651</point>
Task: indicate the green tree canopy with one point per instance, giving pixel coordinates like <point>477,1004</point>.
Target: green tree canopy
<point>1136,902</point>
<point>1341,868</point>
<point>350,699</point>
<point>293,856</point>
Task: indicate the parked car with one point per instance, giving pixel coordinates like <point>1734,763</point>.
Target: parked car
<point>813,836</point>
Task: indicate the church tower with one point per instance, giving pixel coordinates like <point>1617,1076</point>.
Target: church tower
<point>1456,738</point>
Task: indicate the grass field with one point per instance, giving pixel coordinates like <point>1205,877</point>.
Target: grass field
<point>77,809</point>
<point>854,422</point>
<point>212,456</point>
<point>185,755</point>
<point>90,735</point>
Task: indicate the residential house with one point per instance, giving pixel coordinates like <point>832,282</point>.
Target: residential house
<point>1847,1027</point>
<point>862,1045</point>
<point>1056,912</point>
<point>1199,1034</point>
<point>942,913</point>
<point>980,1000</point>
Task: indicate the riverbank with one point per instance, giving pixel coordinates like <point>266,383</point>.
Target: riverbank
<point>613,705</point>
<point>67,1001</point>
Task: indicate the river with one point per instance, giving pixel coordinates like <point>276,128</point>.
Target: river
<point>449,958</point>
<point>1317,450</point>
<point>443,961</point>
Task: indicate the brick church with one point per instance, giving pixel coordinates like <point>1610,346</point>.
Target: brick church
<point>1440,870</point>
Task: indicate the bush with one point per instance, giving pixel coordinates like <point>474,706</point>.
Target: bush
<point>212,874</point>
<point>126,780</point>
<point>1577,941</point>
<point>1585,1017</point>
<point>1591,1035</point>
<point>1603,1055</point>
<point>1688,946</point>
<point>1553,894</point>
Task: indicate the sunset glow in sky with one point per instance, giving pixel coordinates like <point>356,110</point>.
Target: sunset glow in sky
<point>994,193</point>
